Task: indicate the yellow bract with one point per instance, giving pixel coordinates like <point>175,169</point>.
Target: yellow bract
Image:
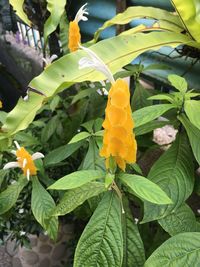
<point>119,139</point>
<point>23,155</point>
<point>74,36</point>
<point>1,105</point>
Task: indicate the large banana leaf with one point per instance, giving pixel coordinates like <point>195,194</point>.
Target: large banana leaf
<point>56,9</point>
<point>189,13</point>
<point>136,12</point>
<point>18,7</point>
<point>115,52</point>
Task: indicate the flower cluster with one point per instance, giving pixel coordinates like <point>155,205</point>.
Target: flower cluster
<point>24,161</point>
<point>119,139</point>
<point>74,30</point>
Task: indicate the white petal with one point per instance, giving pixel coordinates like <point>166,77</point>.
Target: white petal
<point>10,165</point>
<point>37,155</point>
<point>26,98</point>
<point>13,152</point>
<point>17,145</point>
<point>96,63</point>
<point>53,57</point>
<point>45,60</point>
<point>28,174</point>
<point>24,163</point>
<point>80,14</point>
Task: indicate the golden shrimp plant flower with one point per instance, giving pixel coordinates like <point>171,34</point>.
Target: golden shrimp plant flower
<point>25,161</point>
<point>74,30</point>
<point>1,105</point>
<point>118,140</point>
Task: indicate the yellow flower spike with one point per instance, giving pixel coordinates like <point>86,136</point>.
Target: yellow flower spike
<point>25,161</point>
<point>74,30</point>
<point>119,140</point>
<point>1,105</point>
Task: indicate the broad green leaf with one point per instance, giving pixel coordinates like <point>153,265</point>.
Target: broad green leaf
<point>193,135</point>
<point>2,116</point>
<point>140,97</point>
<point>166,97</point>
<point>56,9</point>
<point>180,221</point>
<point>178,82</point>
<point>132,13</point>
<point>189,14</point>
<point>116,52</point>
<point>134,254</point>
<point>136,168</point>
<point>2,176</point>
<point>78,137</point>
<point>49,129</point>
<point>192,109</point>
<point>42,205</point>
<point>173,172</point>
<point>77,179</point>
<point>180,250</point>
<point>75,197</point>
<point>82,94</point>
<point>150,126</point>
<point>144,188</point>
<point>147,114</point>
<point>22,114</point>
<point>101,243</point>
<point>92,160</point>
<point>9,196</point>
<point>59,154</point>
<point>18,7</point>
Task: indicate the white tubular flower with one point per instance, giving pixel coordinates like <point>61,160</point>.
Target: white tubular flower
<point>49,60</point>
<point>96,63</point>
<point>24,161</point>
<point>80,14</point>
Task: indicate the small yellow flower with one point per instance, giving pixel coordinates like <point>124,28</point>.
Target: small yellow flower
<point>118,140</point>
<point>74,30</point>
<point>1,105</point>
<point>25,161</point>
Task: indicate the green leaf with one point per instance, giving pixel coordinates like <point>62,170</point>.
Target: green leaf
<point>59,154</point>
<point>64,72</point>
<point>9,196</point>
<point>49,129</point>
<point>101,243</point>
<point>75,197</point>
<point>192,108</point>
<point>78,137</point>
<point>92,160</point>
<point>193,135</point>
<point>147,114</point>
<point>18,7</point>
<point>173,172</point>
<point>145,189</point>
<point>140,97</point>
<point>189,14</point>
<point>180,250</point>
<point>26,139</point>
<point>54,102</point>
<point>64,32</point>
<point>139,12</point>
<point>56,9</point>
<point>2,116</point>
<point>178,82</point>
<point>180,221</point>
<point>150,126</point>
<point>134,254</point>
<point>42,205</point>
<point>166,97</point>
<point>82,94</point>
<point>76,179</point>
